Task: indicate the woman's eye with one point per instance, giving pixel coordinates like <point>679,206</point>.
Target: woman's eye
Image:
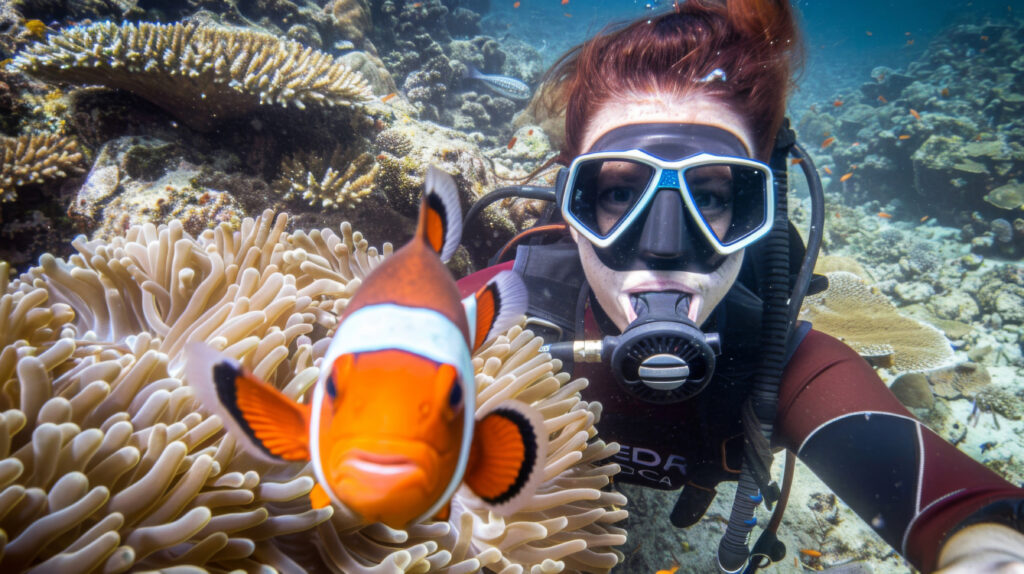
<point>616,198</point>
<point>709,202</point>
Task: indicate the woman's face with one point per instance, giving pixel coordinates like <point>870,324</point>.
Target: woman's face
<point>612,288</point>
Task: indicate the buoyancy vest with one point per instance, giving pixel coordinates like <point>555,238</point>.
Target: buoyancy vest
<point>694,444</point>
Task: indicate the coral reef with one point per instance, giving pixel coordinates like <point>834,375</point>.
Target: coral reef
<point>334,182</point>
<point>865,320</point>
<point>105,463</point>
<point>200,74</point>
<point>34,158</point>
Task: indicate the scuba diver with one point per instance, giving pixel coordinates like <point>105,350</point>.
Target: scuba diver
<point>673,285</point>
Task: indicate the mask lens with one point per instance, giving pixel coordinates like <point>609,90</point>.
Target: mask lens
<point>732,199</point>
<point>604,192</point>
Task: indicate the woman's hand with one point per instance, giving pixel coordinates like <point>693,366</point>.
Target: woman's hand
<point>985,548</point>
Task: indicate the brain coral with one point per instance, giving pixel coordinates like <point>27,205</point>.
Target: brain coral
<point>107,465</point>
<point>34,158</point>
<point>200,74</point>
<point>865,320</point>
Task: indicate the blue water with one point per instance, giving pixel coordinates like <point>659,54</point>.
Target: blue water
<point>845,39</point>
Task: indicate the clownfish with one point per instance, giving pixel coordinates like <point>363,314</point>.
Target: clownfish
<point>392,428</point>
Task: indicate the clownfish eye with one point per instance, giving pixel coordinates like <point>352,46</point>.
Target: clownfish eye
<point>332,389</point>
<point>455,396</point>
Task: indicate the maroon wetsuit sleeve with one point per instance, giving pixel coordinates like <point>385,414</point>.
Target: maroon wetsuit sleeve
<point>474,281</point>
<point>909,484</point>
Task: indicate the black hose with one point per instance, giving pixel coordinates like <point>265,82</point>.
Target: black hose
<point>733,552</point>
<point>523,191</point>
<point>814,235</point>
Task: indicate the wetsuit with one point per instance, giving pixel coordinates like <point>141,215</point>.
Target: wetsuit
<point>914,488</point>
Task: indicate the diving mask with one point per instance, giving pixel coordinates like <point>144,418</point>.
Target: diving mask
<point>668,196</point>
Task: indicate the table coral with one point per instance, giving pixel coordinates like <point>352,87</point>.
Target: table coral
<point>864,319</point>
<point>34,158</point>
<point>200,74</point>
<point>107,463</point>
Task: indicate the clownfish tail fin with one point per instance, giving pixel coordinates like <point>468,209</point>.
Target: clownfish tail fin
<point>271,426</point>
<point>497,306</point>
<point>440,223</point>
<point>511,449</point>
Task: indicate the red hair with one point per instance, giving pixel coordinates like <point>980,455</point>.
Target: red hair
<point>755,42</point>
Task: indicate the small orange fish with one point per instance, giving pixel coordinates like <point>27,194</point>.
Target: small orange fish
<point>567,15</point>
<point>391,428</point>
<point>36,28</point>
<point>914,113</point>
<point>977,138</point>
<point>910,42</point>
<point>417,4</point>
<point>882,99</point>
<point>855,144</point>
<point>564,2</point>
<point>530,133</point>
<point>828,141</point>
<point>923,219</point>
<point>671,570</point>
<point>389,96</point>
<point>827,170</point>
<point>984,38</point>
<point>837,103</point>
<point>838,216</point>
<point>904,137</point>
<point>515,4</point>
<point>944,92</point>
<point>884,215</point>
<point>511,142</point>
<point>906,33</point>
<point>868,32</point>
<point>846,176</point>
<point>795,160</point>
<point>810,552</point>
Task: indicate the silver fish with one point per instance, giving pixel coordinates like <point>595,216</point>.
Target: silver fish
<point>504,85</point>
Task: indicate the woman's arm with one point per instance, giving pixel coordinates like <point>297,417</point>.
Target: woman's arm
<point>909,484</point>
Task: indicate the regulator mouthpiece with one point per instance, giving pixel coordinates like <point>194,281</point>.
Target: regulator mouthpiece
<point>662,357</point>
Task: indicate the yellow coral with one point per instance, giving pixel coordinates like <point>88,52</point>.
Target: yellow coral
<point>35,158</point>
<point>332,183</point>
<point>198,73</point>
<point>864,319</point>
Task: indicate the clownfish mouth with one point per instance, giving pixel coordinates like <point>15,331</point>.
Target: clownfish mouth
<point>381,464</point>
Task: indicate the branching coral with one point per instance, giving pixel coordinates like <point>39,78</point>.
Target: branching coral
<point>331,183</point>
<point>865,320</point>
<point>198,73</point>
<point>106,463</point>
<point>35,158</point>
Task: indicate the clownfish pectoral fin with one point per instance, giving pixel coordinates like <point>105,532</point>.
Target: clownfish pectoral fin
<point>276,427</point>
<point>509,452</point>
<point>318,497</point>
<point>440,223</point>
<point>497,306</point>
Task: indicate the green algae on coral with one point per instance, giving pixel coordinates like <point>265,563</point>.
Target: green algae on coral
<point>200,74</point>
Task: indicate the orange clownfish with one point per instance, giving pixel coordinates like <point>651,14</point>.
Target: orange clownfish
<point>392,428</point>
<point>827,142</point>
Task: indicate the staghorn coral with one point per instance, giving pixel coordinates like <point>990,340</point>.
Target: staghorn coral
<point>105,463</point>
<point>35,158</point>
<point>865,320</point>
<point>200,74</point>
<point>338,181</point>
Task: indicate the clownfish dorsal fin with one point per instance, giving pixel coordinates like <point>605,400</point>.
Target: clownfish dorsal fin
<point>509,453</point>
<point>440,223</point>
<point>495,307</point>
<point>277,428</point>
